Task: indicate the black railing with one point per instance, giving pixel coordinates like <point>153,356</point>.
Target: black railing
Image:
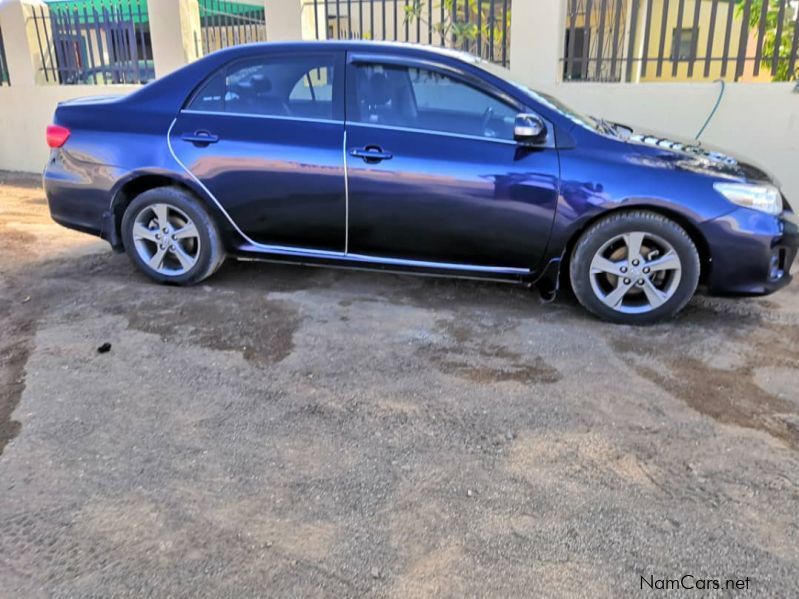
<point>640,40</point>
<point>481,27</point>
<point>108,43</point>
<point>4,78</point>
<point>224,24</point>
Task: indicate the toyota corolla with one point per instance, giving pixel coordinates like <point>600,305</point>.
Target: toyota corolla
<point>412,159</point>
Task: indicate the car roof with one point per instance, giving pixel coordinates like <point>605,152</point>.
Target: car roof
<point>354,45</point>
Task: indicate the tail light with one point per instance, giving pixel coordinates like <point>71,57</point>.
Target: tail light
<point>57,135</point>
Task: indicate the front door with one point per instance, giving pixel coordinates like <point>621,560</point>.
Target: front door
<point>434,174</point>
<point>265,136</point>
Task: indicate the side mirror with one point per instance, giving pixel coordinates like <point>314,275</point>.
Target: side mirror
<point>529,128</point>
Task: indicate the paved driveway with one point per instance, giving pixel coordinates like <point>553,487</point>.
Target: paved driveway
<point>286,431</point>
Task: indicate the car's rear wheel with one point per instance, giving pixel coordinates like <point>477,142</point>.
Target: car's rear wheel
<point>171,237</point>
<point>634,268</point>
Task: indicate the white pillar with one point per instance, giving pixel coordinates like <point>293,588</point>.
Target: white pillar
<point>313,20</point>
<point>537,34</point>
<point>173,24</point>
<point>283,20</point>
<point>19,40</point>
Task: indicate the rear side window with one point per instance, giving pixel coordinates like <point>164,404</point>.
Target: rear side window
<point>288,86</point>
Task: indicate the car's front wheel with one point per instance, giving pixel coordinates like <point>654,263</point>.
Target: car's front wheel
<point>634,268</point>
<point>171,237</point>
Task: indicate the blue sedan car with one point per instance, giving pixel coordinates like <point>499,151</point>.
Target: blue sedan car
<point>413,159</point>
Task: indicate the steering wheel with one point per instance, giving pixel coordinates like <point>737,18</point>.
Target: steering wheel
<point>487,116</point>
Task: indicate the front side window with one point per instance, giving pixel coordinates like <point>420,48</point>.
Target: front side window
<point>287,86</point>
<point>428,100</point>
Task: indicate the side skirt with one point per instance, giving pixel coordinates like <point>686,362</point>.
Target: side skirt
<point>366,263</point>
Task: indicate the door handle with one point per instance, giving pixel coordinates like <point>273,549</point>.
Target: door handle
<point>371,154</point>
<point>201,137</point>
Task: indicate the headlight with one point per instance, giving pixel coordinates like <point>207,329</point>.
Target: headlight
<point>763,197</point>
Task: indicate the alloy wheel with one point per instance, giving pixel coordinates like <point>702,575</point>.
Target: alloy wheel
<point>635,272</point>
<point>166,239</point>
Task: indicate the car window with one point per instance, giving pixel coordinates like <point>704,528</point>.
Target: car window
<point>429,100</point>
<point>293,86</point>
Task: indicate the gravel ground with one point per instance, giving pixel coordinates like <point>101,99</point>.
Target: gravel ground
<point>287,431</point>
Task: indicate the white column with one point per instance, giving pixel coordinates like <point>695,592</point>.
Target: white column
<point>173,24</point>
<point>313,20</point>
<point>19,40</point>
<point>283,20</point>
<point>537,34</point>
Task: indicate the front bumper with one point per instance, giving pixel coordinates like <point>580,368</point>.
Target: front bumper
<point>751,252</point>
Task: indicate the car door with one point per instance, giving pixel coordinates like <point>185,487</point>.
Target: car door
<point>264,135</point>
<point>434,174</point>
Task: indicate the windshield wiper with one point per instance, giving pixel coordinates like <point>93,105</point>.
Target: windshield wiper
<point>611,128</point>
<point>604,125</point>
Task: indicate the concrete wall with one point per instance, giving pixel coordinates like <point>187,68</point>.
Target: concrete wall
<point>757,120</point>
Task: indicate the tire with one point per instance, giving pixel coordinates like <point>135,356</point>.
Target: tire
<point>651,284</point>
<point>181,255</point>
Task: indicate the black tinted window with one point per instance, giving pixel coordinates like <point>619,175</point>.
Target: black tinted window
<point>428,100</point>
<point>298,86</point>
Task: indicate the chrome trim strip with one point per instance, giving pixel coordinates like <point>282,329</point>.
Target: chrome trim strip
<point>263,116</point>
<point>300,252</point>
<point>439,133</point>
<point>442,265</point>
<point>346,195</point>
<point>352,124</point>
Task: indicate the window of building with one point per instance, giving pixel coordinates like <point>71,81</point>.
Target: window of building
<point>683,44</point>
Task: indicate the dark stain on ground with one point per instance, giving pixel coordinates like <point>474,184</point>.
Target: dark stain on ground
<point>728,396</point>
<point>15,350</point>
<point>510,366</point>
<point>702,311</point>
<point>473,357</point>
<point>18,314</point>
<point>264,332</point>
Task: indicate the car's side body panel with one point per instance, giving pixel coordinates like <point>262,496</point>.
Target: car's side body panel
<point>469,201</point>
<point>280,180</point>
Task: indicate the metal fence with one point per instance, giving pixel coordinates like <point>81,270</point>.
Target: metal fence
<point>4,79</point>
<point>107,43</point>
<point>481,27</point>
<point>639,40</point>
<point>224,24</point>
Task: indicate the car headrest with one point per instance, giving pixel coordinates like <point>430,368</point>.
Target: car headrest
<point>260,83</point>
<point>378,89</point>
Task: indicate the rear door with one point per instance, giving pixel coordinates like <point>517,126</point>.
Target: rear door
<point>434,173</point>
<point>265,135</point>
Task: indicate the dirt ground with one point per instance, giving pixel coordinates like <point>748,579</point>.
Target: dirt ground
<point>294,432</point>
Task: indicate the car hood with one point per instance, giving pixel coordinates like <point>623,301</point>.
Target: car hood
<point>691,155</point>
